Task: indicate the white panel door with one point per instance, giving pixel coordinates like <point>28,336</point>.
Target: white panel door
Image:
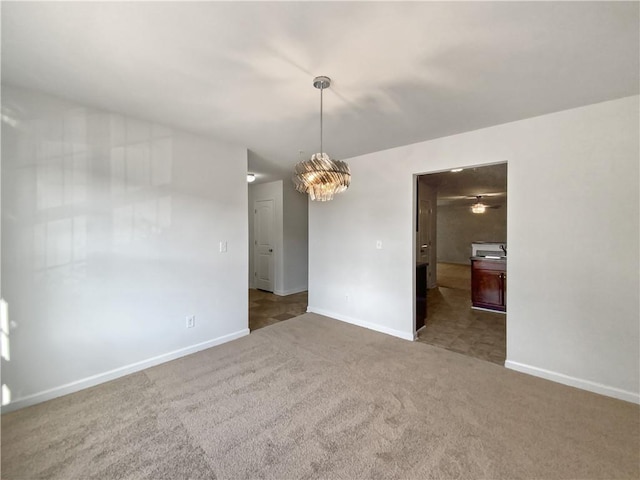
<point>263,245</point>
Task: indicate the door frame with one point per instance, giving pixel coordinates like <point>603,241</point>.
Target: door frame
<point>416,206</point>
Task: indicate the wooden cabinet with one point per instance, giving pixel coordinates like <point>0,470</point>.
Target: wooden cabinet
<point>421,294</point>
<point>489,284</point>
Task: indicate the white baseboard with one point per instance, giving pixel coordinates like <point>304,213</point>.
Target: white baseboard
<point>291,291</point>
<point>574,382</point>
<point>93,380</point>
<point>362,323</point>
<point>487,310</point>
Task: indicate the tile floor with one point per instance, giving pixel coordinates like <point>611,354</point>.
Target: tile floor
<point>452,324</point>
<point>266,308</point>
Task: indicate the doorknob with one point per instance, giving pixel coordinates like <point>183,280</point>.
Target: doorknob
<point>271,250</point>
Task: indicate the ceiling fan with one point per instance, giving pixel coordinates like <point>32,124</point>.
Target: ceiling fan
<point>463,200</point>
<point>480,207</point>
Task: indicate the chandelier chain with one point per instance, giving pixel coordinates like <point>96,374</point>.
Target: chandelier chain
<point>321,92</point>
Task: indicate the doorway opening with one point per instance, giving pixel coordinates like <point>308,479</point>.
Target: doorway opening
<point>278,253</point>
<point>464,249</point>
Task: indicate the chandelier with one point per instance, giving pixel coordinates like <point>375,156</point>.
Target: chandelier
<point>478,207</point>
<point>320,176</point>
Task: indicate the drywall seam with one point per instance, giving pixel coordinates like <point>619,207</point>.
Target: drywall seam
<point>574,382</point>
<point>118,372</point>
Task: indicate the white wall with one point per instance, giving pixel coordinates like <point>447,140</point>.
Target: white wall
<point>458,227</point>
<point>572,230</point>
<point>296,240</point>
<point>110,232</point>
<point>290,235</point>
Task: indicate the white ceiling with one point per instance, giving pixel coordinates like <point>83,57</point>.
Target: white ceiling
<point>402,72</point>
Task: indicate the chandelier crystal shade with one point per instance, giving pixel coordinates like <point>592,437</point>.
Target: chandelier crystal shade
<point>320,176</point>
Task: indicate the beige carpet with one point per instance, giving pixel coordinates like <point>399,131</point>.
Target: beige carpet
<point>316,398</point>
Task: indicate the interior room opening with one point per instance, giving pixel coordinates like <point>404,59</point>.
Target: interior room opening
<point>278,253</point>
<point>461,260</point>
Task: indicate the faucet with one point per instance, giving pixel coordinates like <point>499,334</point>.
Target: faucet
<point>504,249</point>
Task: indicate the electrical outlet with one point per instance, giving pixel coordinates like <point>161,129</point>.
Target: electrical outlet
<point>379,244</point>
<point>191,321</point>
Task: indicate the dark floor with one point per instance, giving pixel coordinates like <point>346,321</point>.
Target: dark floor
<point>266,308</point>
<point>454,325</point>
